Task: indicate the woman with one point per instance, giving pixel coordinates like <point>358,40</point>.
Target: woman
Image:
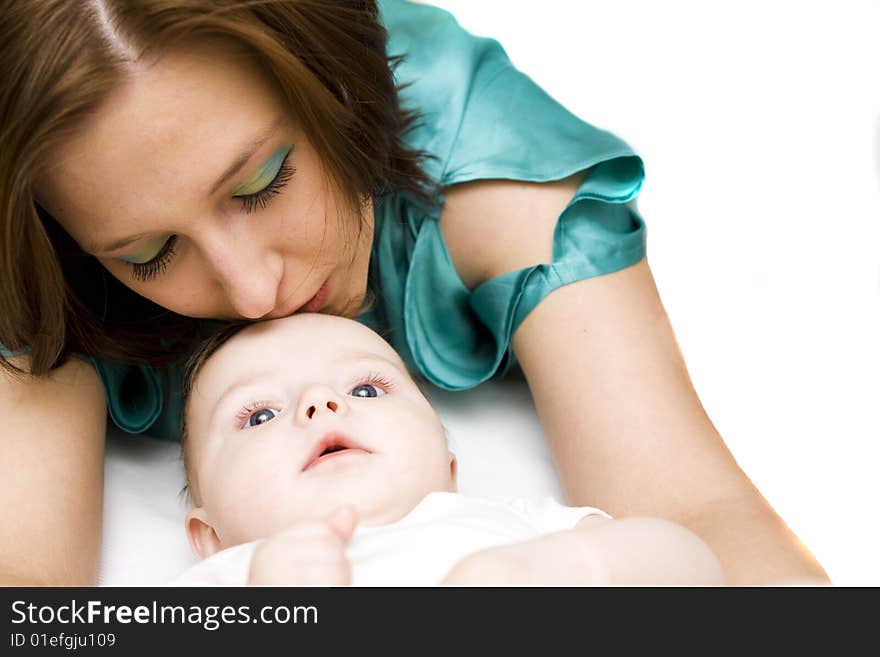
<point>229,160</point>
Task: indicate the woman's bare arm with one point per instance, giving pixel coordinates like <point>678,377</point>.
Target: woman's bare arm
<point>625,426</point>
<point>596,552</point>
<point>51,476</point>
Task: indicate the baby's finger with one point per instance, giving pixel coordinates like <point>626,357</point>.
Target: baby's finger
<point>343,521</point>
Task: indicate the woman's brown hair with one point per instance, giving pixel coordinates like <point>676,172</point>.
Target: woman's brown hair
<point>62,59</point>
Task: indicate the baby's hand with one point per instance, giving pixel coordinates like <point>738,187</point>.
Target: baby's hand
<point>310,553</point>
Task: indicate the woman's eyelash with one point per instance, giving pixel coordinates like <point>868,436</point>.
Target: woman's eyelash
<point>147,271</point>
<point>262,198</point>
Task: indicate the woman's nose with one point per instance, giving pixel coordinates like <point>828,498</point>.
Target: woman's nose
<point>319,401</point>
<point>250,276</point>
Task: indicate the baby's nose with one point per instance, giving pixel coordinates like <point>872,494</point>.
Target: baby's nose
<point>330,405</point>
<point>319,400</point>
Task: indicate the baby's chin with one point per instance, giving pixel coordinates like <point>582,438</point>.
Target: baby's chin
<point>398,509</point>
<point>371,511</point>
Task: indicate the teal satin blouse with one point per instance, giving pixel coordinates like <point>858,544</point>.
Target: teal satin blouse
<point>481,119</point>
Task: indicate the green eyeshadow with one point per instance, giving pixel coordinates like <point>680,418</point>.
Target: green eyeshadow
<point>265,175</point>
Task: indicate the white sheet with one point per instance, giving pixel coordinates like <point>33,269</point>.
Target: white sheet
<point>760,127</point>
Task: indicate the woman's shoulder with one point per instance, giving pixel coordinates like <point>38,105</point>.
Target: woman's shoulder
<point>409,23</point>
<point>481,117</point>
<point>437,65</point>
<point>484,120</point>
<point>74,384</point>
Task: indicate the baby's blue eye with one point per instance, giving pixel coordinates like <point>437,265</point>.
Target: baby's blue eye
<point>367,390</point>
<point>261,417</point>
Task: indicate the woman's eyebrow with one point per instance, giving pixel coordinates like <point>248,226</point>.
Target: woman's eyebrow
<point>247,152</point>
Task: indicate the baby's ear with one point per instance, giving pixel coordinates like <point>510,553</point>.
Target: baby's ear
<point>453,470</point>
<point>203,539</point>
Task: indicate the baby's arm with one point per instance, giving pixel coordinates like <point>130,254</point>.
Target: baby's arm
<point>597,552</point>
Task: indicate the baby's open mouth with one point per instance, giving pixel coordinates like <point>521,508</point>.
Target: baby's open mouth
<point>332,446</point>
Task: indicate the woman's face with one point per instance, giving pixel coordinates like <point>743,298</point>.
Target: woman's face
<point>195,187</point>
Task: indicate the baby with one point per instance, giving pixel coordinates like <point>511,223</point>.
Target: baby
<point>313,458</point>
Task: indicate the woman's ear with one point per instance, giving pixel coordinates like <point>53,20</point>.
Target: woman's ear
<point>203,538</point>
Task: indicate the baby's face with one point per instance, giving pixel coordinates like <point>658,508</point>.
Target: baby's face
<point>295,417</point>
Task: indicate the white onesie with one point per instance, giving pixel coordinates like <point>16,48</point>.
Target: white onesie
<point>420,548</point>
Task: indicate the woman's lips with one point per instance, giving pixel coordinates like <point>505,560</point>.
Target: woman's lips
<point>313,305</point>
<point>317,302</point>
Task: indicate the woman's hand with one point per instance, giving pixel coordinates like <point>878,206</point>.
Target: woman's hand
<point>307,554</point>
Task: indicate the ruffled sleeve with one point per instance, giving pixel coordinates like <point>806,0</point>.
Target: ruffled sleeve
<point>460,338</point>
<point>134,394</point>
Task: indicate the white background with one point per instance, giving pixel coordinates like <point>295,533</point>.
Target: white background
<point>758,123</point>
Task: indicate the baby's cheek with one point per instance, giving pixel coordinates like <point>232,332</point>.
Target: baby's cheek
<point>252,498</point>
<point>423,471</point>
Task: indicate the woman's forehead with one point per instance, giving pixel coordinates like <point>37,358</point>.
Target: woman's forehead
<point>160,141</point>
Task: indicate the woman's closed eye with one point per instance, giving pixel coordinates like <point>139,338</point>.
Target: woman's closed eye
<point>151,268</point>
<point>269,182</point>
